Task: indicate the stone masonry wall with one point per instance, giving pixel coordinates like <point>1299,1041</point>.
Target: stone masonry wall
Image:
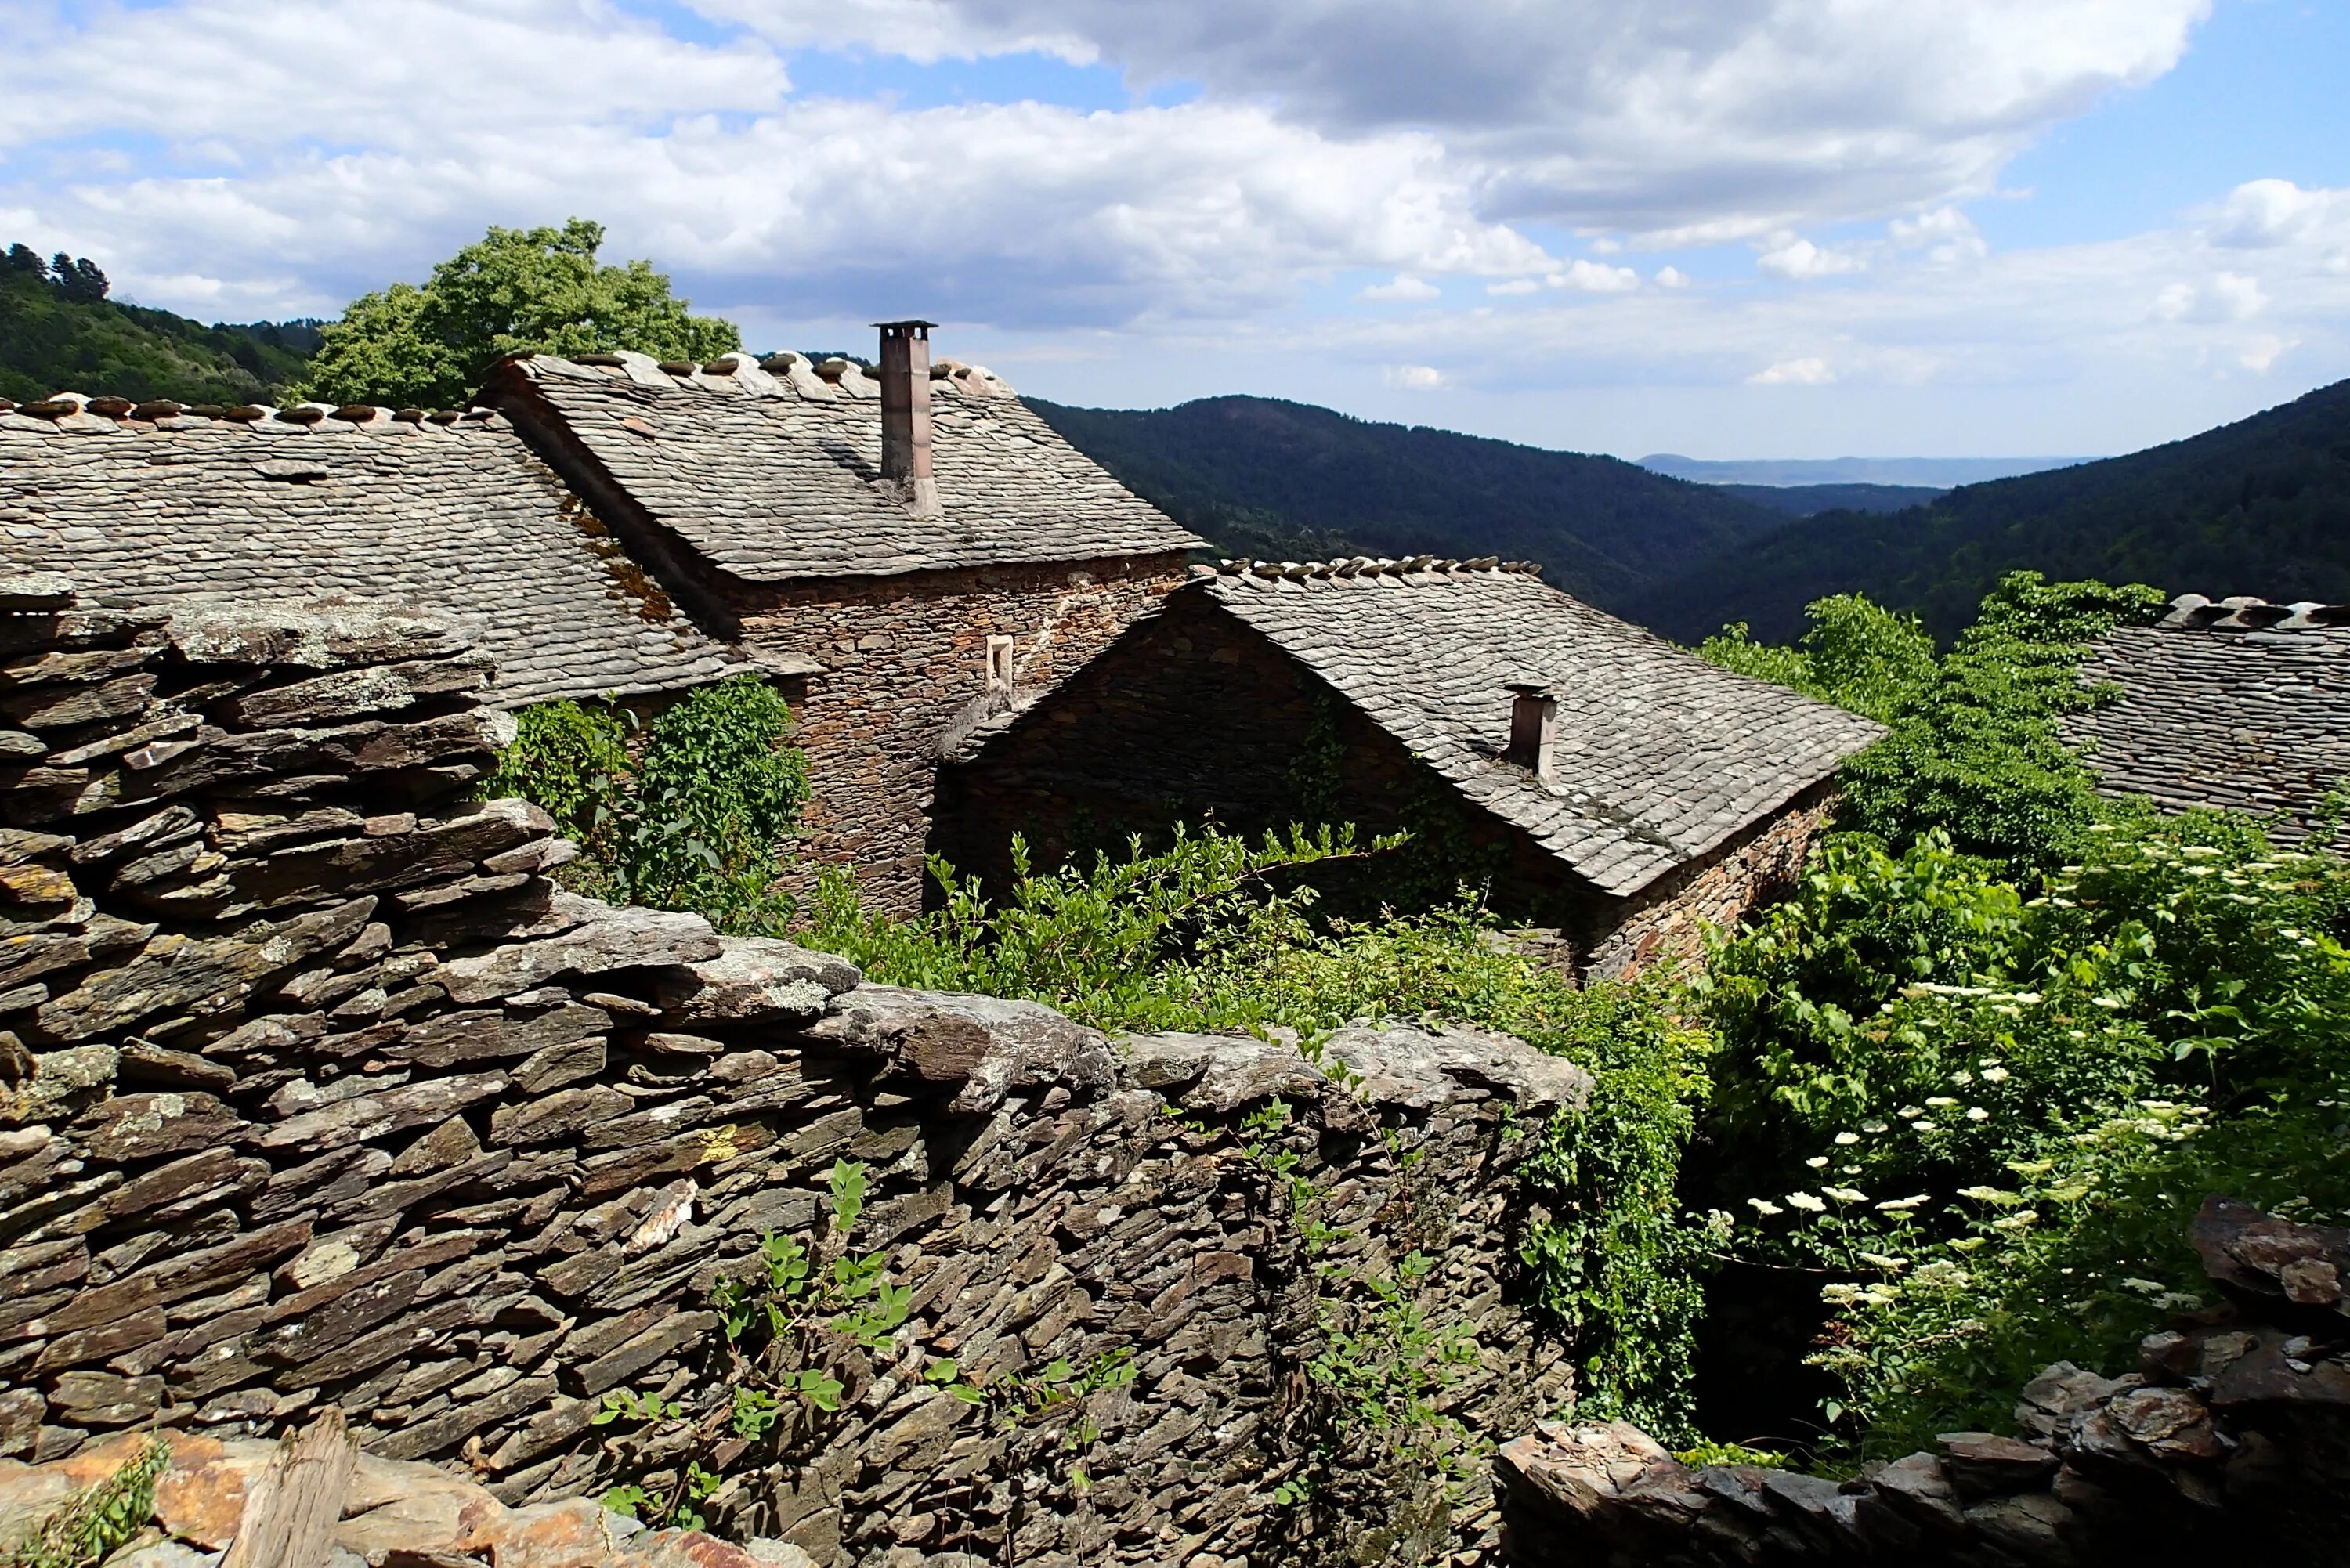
<point>315,1091</point>
<point>1664,927</point>
<point>2228,1443</point>
<point>905,662</point>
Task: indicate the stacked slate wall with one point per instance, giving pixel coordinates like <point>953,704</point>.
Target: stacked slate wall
<point>314,1089</point>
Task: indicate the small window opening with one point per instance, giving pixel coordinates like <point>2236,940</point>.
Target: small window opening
<point>999,664</point>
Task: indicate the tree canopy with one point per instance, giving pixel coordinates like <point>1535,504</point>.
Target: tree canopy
<point>512,290</point>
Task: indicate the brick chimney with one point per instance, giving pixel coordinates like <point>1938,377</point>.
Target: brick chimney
<point>1534,730</point>
<point>905,372</point>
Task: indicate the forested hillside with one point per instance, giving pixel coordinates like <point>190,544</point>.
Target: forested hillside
<point>59,332</point>
<point>1264,477</point>
<point>1810,500</point>
<point>2260,506</point>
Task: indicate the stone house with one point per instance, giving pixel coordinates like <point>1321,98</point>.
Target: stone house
<point>1598,780</point>
<point>902,553</point>
<point>2238,703</point>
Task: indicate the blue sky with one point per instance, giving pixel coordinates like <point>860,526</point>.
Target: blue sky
<point>1879,227</point>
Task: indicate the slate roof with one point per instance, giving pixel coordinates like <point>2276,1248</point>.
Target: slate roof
<point>1661,757</point>
<point>770,473</point>
<point>439,513</point>
<point>2240,703</point>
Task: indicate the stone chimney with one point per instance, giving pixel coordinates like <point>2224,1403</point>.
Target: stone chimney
<point>1534,730</point>
<point>905,373</point>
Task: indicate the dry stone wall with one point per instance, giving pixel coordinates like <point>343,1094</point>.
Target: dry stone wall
<point>315,1091</point>
<point>2230,1442</point>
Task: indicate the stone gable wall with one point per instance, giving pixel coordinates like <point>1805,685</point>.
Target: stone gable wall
<point>904,662</point>
<point>1664,928</point>
<point>315,1091</point>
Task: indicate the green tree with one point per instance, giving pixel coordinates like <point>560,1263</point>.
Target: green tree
<point>513,290</point>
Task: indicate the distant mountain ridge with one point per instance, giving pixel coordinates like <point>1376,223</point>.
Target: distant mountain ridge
<point>1929,472</point>
<point>1264,477</point>
<point>1809,500</point>
<point>2259,507</point>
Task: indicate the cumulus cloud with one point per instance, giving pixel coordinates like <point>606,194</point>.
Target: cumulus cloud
<point>1806,372</point>
<point>1594,277</point>
<point>1713,117</point>
<point>1414,377</point>
<point>1946,234</point>
<point>1672,277</point>
<point>1792,257</point>
<point>1403,288</point>
<point>2262,213</point>
<point>2223,296</point>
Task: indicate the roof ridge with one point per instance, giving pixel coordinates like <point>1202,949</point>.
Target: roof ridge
<point>60,407</point>
<point>2242,612</point>
<point>1403,569</point>
<point>784,374</point>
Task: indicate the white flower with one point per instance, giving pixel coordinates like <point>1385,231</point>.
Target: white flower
<point>1940,1102</point>
<point>1765,1207</point>
<point>1879,1261</point>
<point>1927,1126</point>
<point>1871,1128</point>
<point>1903,1205</point>
<point>1983,1194</point>
<point>1806,1202</point>
<point>1846,1140</point>
<point>2145,1287</point>
<point>1846,1194</point>
<point>1840,1296</point>
<point>1996,1075</point>
<point>2177,1301</point>
<point>2017,1223</point>
<point>1977,1114</point>
<point>1818,1162</point>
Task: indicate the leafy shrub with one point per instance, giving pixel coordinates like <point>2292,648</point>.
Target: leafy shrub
<point>694,821</point>
<point>1988,1115</point>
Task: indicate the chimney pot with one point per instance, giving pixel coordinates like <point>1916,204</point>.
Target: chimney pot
<point>905,376</point>
<point>1534,730</point>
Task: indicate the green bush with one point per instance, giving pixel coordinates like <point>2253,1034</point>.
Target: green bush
<point>694,820</point>
<point>1981,1086</point>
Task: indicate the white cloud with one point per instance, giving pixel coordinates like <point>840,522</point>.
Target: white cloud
<point>1789,255</point>
<point>1947,235</point>
<point>1714,116</point>
<point>1594,277</point>
<point>2262,352</point>
<point>1404,287</point>
<point>1807,373</point>
<point>2261,214</point>
<point>1672,277</point>
<point>1515,286</point>
<point>1415,378</point>
<point>2223,296</point>
<point>1022,212</point>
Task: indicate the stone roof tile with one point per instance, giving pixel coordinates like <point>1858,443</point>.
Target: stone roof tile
<point>770,472</point>
<point>2238,703</point>
<point>446,512</point>
<point>1662,756</point>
